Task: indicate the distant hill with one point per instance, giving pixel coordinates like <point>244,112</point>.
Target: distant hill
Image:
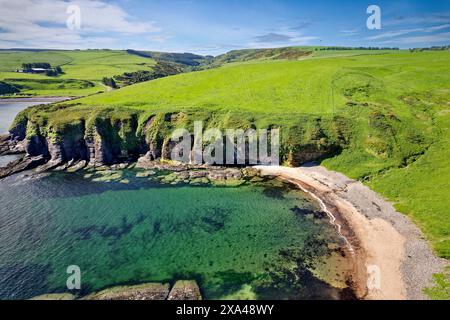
<point>187,59</point>
<point>193,60</point>
<point>84,71</point>
<point>288,53</point>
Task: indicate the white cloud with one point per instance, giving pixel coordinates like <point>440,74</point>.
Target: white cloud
<point>42,23</point>
<point>282,36</point>
<point>443,38</point>
<point>443,17</point>
<point>350,32</point>
<point>437,28</point>
<point>161,38</point>
<point>393,34</point>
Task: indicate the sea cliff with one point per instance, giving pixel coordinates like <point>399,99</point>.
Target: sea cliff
<point>57,134</point>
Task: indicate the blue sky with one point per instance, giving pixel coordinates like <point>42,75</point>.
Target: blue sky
<point>217,26</point>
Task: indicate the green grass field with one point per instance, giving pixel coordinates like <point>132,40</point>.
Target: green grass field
<point>94,65</point>
<point>79,67</point>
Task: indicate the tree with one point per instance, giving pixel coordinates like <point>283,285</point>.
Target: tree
<point>109,82</point>
<point>51,73</point>
<point>41,65</point>
<point>160,70</point>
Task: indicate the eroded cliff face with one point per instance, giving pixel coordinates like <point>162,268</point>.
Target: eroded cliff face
<point>104,139</point>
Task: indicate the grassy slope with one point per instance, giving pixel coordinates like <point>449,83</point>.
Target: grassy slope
<point>397,103</point>
<point>422,189</point>
<point>11,60</point>
<point>94,65</point>
<point>83,70</point>
<point>89,67</point>
<point>290,53</point>
<point>254,87</point>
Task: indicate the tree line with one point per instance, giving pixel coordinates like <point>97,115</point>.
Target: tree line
<point>49,71</point>
<point>160,70</point>
<point>433,48</point>
<point>358,48</point>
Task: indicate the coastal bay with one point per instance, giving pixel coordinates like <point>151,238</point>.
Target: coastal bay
<point>132,226</point>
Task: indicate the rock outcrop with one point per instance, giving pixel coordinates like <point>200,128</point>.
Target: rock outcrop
<point>185,290</point>
<point>4,142</point>
<point>148,291</point>
<point>107,137</point>
<point>182,290</point>
<point>26,163</point>
<point>8,146</point>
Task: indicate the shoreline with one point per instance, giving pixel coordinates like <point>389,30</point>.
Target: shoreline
<point>378,238</point>
<point>44,99</point>
<point>384,241</point>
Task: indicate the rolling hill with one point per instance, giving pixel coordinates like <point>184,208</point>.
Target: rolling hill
<point>83,70</point>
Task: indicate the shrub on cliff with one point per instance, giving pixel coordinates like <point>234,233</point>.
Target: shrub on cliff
<point>6,88</point>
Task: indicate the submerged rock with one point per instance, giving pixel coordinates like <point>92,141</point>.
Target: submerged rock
<point>227,183</point>
<point>185,290</point>
<point>119,166</point>
<point>148,291</point>
<point>145,174</point>
<point>199,181</point>
<point>108,176</point>
<point>182,290</point>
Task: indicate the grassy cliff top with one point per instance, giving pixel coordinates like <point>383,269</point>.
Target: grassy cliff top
<point>316,86</point>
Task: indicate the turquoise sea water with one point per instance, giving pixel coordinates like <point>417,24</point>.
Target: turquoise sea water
<point>256,241</point>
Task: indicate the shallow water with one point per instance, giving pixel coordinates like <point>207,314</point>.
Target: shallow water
<point>5,160</point>
<point>243,242</point>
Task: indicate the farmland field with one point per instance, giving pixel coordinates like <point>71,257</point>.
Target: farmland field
<point>83,70</point>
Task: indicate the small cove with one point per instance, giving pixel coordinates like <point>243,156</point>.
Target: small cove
<point>263,240</point>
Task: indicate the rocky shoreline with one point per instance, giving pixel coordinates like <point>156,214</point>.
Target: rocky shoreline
<point>179,173</point>
<point>379,236</point>
<point>182,290</point>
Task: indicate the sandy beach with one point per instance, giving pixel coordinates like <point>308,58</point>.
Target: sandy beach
<point>392,261</point>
